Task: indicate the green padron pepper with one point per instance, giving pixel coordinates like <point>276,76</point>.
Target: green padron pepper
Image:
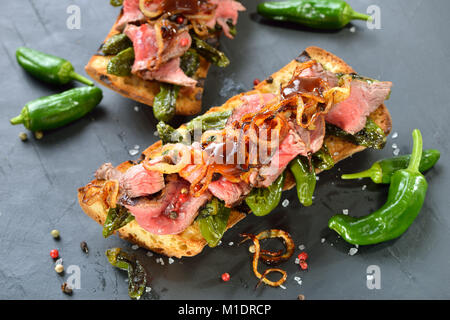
<point>117,218</point>
<point>116,44</point>
<point>382,171</point>
<point>57,110</point>
<point>48,68</point>
<point>213,220</point>
<point>305,179</point>
<point>372,136</point>
<point>116,3</point>
<point>322,159</point>
<point>209,121</point>
<point>263,200</point>
<point>407,191</point>
<point>137,276</point>
<point>164,104</point>
<point>319,14</point>
<point>121,64</point>
<point>210,53</point>
<point>190,62</point>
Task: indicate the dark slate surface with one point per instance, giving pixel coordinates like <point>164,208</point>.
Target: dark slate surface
<point>40,178</point>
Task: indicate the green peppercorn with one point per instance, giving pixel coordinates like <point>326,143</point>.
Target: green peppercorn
<point>55,233</point>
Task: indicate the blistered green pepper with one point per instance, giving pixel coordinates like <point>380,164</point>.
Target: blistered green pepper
<point>305,179</point>
<point>117,218</point>
<point>121,64</point>
<point>116,44</point>
<point>213,220</point>
<point>164,104</point>
<point>137,276</point>
<point>263,200</point>
<point>372,136</point>
<point>210,53</point>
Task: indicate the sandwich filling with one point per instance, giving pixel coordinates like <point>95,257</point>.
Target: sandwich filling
<point>246,149</point>
<point>162,31</point>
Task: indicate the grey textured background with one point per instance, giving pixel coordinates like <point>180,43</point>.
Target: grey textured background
<point>40,177</point>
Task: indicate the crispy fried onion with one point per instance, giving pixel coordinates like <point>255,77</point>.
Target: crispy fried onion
<point>151,8</point>
<point>199,13</point>
<point>107,192</point>
<point>304,98</point>
<point>179,154</point>
<point>270,256</point>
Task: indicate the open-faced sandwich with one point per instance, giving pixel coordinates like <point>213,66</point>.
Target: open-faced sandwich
<point>205,176</point>
<point>158,52</point>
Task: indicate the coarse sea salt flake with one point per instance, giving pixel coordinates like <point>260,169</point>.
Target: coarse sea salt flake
<point>302,247</point>
<point>171,261</point>
<point>394,146</point>
<point>394,135</point>
<point>136,108</point>
<point>285,203</point>
<point>352,29</point>
<point>134,247</point>
<point>364,187</point>
<point>345,211</point>
<point>352,251</point>
<point>396,152</point>
<point>322,240</point>
<point>133,152</point>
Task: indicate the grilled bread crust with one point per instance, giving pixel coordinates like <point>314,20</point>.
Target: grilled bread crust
<point>190,242</point>
<point>189,101</point>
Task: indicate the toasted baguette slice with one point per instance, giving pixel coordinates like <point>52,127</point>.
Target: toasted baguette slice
<point>190,242</point>
<point>189,101</point>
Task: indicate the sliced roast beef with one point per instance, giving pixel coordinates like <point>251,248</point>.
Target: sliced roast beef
<point>299,141</point>
<point>351,114</point>
<point>131,13</point>
<point>144,44</point>
<point>135,182</point>
<point>153,47</point>
<point>252,103</point>
<point>150,207</point>
<point>107,172</point>
<point>225,10</point>
<point>154,215</point>
<point>170,72</point>
<point>231,193</point>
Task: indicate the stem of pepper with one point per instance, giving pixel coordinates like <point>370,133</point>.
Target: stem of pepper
<point>17,120</point>
<point>80,78</point>
<point>375,173</point>
<point>360,16</point>
<point>416,154</point>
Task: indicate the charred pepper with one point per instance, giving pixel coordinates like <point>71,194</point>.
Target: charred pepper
<point>48,68</point>
<point>305,179</point>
